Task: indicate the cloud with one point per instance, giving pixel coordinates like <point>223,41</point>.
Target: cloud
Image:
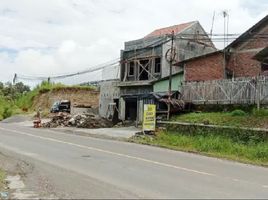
<point>56,37</point>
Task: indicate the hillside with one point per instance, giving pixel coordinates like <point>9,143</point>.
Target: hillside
<point>77,96</point>
<point>43,96</point>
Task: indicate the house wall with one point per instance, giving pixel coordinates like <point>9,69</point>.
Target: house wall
<point>205,68</point>
<point>241,61</point>
<point>187,48</point>
<point>108,92</point>
<point>241,64</point>
<point>136,90</point>
<point>162,86</point>
<point>189,43</point>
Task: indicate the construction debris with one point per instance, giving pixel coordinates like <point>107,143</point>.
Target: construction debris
<point>80,121</point>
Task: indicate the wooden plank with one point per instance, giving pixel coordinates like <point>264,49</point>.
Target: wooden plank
<point>229,91</point>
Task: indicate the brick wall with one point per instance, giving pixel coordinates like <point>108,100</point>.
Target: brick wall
<point>205,68</point>
<point>241,62</point>
<point>260,40</point>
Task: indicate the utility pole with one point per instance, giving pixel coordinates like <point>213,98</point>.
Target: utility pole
<point>171,59</point>
<point>15,78</point>
<point>225,14</point>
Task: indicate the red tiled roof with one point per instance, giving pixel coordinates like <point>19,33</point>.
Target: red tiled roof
<point>168,30</point>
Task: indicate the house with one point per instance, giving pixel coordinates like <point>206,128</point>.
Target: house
<point>109,98</point>
<point>236,60</point>
<point>145,61</point>
<point>161,85</point>
<point>262,57</point>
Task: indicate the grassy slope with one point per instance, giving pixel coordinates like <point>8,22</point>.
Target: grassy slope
<point>25,101</point>
<point>257,119</point>
<point>212,145</point>
<point>7,108</point>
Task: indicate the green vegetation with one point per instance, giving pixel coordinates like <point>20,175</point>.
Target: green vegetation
<point>46,87</point>
<point>238,113</point>
<point>255,118</point>
<point>18,98</point>
<point>248,146</point>
<point>8,95</point>
<point>2,179</point>
<point>260,113</point>
<point>221,146</point>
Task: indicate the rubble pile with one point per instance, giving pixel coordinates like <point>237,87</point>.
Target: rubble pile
<point>89,121</point>
<point>80,121</point>
<point>59,120</point>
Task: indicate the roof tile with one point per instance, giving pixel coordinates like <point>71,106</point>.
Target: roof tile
<point>168,30</point>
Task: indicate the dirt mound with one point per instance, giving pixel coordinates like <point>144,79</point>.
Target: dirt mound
<point>77,96</point>
<point>79,121</point>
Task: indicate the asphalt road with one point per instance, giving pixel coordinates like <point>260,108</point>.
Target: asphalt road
<point>85,167</point>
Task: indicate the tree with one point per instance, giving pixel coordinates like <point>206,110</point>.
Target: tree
<point>21,88</point>
<point>12,92</point>
<point>1,86</point>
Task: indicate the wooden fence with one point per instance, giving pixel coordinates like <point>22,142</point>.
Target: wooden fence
<point>228,91</point>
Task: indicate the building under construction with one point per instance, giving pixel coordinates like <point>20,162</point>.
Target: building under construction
<point>146,60</point>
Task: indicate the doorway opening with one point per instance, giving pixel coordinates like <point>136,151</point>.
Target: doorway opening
<point>131,109</point>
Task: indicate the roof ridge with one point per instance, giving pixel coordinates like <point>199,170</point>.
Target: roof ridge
<point>184,26</point>
<point>191,22</point>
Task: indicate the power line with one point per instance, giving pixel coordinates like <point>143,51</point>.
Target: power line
<point>111,63</point>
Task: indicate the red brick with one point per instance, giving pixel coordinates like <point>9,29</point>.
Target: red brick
<point>205,68</point>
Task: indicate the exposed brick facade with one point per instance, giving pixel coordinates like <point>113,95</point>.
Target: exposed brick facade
<point>205,68</point>
<point>239,59</point>
<point>242,64</point>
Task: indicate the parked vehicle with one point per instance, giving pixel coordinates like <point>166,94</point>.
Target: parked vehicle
<point>61,106</point>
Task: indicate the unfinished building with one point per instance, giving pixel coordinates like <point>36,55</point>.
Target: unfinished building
<point>145,60</point>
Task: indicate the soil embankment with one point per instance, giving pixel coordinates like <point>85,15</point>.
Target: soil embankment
<point>78,96</point>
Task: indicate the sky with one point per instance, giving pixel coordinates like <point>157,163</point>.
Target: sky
<point>51,37</point>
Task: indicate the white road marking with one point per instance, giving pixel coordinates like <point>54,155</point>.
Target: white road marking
<point>18,150</point>
<point>111,152</point>
<point>127,156</point>
<point>234,179</point>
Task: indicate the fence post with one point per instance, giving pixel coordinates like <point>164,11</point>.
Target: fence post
<point>258,93</point>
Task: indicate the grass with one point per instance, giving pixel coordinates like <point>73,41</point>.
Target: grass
<point>2,180</point>
<point>46,87</point>
<point>23,103</point>
<point>7,108</point>
<point>211,145</point>
<point>258,119</point>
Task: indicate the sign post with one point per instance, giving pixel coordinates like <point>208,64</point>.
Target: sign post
<point>149,118</point>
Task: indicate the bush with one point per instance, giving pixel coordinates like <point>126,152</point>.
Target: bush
<point>235,134</point>
<point>210,144</point>
<point>238,113</point>
<point>260,112</point>
<point>7,112</point>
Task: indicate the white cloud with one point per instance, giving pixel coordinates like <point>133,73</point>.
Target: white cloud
<point>56,37</point>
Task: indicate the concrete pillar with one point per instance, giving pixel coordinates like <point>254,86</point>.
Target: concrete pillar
<point>122,109</point>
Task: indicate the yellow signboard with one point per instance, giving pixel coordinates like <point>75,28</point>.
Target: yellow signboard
<point>149,117</point>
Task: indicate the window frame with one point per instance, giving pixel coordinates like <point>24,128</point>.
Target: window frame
<point>129,67</point>
<point>155,65</point>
